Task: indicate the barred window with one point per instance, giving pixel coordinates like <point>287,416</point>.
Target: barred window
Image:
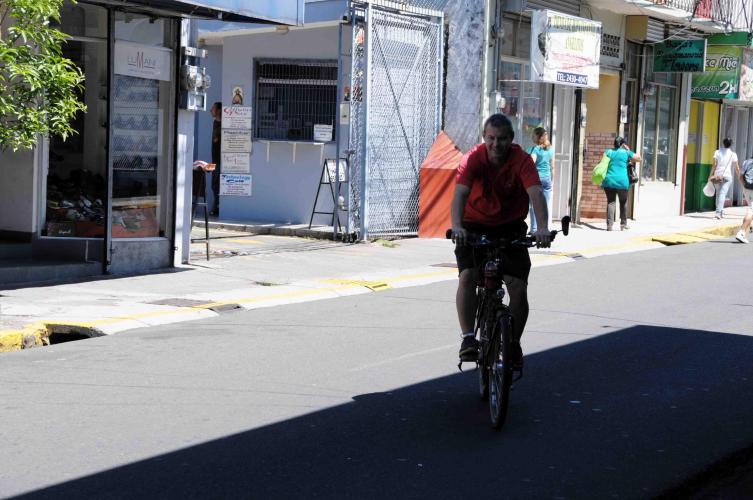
<point>610,45</point>
<point>294,95</point>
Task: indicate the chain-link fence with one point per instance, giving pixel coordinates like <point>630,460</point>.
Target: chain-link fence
<point>397,59</point>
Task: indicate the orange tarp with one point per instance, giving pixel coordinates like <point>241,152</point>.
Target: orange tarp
<point>436,187</point>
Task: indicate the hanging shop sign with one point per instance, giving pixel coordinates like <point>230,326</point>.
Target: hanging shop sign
<point>565,49</point>
<point>721,80</point>
<point>235,185</point>
<point>142,61</point>
<point>677,56</point>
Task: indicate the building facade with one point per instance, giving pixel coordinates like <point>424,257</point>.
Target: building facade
<point>116,196</point>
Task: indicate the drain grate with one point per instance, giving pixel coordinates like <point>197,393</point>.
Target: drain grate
<point>178,302</point>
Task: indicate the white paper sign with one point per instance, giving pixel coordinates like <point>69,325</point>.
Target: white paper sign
<point>235,141</point>
<point>344,113</point>
<point>565,49</point>
<point>322,133</point>
<point>331,169</point>
<point>235,185</point>
<point>236,163</point>
<point>236,117</point>
<point>142,61</point>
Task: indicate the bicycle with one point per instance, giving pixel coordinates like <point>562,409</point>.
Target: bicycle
<point>494,322</point>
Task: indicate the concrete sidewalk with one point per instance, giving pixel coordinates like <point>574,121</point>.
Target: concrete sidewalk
<point>250,270</point>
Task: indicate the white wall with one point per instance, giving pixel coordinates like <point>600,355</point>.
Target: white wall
<point>283,189</point>
<point>17,188</point>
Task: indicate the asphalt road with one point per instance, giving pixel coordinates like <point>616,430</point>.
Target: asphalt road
<point>638,376</point>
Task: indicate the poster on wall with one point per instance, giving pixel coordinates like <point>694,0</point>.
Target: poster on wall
<point>235,185</point>
<point>322,132</point>
<point>721,80</point>
<point>236,141</point>
<point>142,61</point>
<point>236,117</point>
<point>565,49</point>
<point>237,99</point>
<point>236,163</point>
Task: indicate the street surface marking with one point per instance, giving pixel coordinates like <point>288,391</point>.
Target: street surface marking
<point>400,358</point>
<point>245,240</point>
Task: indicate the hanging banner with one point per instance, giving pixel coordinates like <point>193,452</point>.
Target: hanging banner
<point>565,49</point>
<point>721,80</point>
<point>746,77</point>
<point>677,56</point>
<point>142,61</point>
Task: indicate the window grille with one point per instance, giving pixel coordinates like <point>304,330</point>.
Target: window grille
<point>294,95</point>
<point>610,45</point>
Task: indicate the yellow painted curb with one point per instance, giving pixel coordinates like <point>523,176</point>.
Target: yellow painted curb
<point>713,233</point>
<point>32,335</point>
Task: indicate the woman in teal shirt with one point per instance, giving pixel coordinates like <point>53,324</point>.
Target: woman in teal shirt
<point>543,156</point>
<point>616,183</point>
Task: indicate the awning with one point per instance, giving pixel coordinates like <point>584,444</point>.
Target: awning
<point>288,12</point>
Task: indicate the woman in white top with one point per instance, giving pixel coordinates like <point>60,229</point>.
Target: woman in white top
<point>721,174</point>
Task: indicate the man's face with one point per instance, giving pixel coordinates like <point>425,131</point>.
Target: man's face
<point>215,111</point>
<point>498,141</point>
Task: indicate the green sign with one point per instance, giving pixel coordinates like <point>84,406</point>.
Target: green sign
<point>721,80</point>
<point>677,56</point>
<point>740,38</point>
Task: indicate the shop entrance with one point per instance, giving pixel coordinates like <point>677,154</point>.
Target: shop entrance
<point>736,124</point>
<point>562,134</point>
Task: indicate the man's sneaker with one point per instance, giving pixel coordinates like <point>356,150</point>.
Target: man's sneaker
<point>740,236</point>
<point>469,349</point>
<point>517,356</point>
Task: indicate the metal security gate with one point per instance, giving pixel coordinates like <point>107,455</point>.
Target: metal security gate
<point>395,114</point>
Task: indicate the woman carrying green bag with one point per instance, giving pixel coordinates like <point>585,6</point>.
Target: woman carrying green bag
<point>616,181</point>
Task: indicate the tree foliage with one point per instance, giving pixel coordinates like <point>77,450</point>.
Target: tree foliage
<point>39,88</point>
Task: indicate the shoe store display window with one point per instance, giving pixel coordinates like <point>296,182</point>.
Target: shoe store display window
<point>76,185</point>
<point>134,113</point>
<point>141,109</point>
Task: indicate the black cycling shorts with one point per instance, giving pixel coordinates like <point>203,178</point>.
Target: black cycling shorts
<point>515,261</point>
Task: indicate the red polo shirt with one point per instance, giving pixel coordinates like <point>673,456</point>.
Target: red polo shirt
<point>497,197</point>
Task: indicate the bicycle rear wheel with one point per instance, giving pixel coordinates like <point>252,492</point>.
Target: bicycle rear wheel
<point>500,373</point>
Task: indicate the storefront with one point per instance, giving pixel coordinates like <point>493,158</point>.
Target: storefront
<point>532,100</point>
<point>722,108</point>
<point>117,192</point>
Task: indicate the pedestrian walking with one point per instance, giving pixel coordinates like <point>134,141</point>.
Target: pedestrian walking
<point>746,179</point>
<point>543,156</point>
<point>617,182</point>
<point>721,174</point>
<point>216,112</point>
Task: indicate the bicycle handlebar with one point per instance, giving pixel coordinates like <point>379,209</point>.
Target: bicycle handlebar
<point>479,240</point>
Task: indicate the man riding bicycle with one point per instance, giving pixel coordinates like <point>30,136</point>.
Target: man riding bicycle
<point>494,183</point>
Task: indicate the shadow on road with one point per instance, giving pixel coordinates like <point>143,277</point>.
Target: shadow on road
<point>625,414</point>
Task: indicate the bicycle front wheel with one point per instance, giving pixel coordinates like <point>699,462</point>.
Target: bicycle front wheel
<point>500,370</point>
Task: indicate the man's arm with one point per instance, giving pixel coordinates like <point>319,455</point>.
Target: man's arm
<point>535,193</point>
<point>457,210</point>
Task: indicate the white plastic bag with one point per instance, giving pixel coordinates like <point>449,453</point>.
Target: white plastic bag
<point>709,189</point>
